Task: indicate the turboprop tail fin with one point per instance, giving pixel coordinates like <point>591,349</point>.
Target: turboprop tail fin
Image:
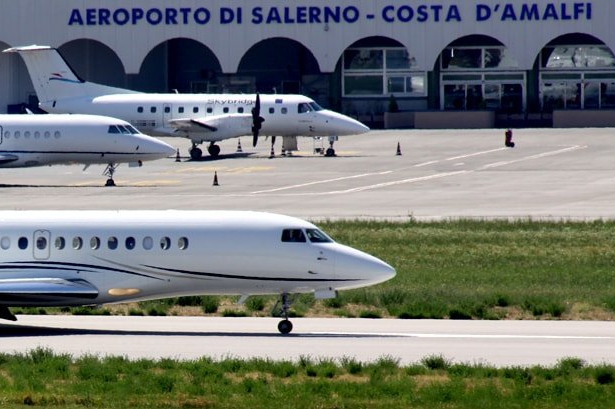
<point>54,79</point>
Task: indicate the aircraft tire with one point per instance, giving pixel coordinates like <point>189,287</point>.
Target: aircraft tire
<point>285,327</point>
<point>214,151</point>
<point>330,152</point>
<point>196,153</point>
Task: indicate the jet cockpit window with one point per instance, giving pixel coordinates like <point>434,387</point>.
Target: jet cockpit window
<point>317,236</point>
<point>132,129</point>
<point>113,129</point>
<point>293,236</point>
<point>123,130</point>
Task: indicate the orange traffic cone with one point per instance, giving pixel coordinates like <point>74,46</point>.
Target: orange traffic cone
<point>177,159</point>
<point>398,153</point>
<point>216,179</point>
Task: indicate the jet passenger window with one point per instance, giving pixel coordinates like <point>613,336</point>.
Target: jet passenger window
<point>22,243</point>
<point>130,243</point>
<point>77,243</point>
<point>293,236</point>
<point>182,243</point>
<point>317,236</point>
<point>165,243</point>
<point>5,243</point>
<point>148,243</point>
<point>60,243</point>
<point>94,243</point>
<point>112,243</point>
<point>41,243</point>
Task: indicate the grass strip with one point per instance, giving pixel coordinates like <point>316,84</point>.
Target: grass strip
<point>44,379</point>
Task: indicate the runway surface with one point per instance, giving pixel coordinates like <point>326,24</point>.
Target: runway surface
<point>500,343</point>
<point>550,174</point>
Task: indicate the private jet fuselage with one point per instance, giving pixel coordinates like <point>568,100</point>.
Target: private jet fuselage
<point>39,140</point>
<point>58,258</point>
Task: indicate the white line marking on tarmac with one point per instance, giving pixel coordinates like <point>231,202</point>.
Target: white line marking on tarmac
<point>318,182</point>
<point>475,154</point>
<point>471,336</point>
<point>537,156</point>
<point>400,182</point>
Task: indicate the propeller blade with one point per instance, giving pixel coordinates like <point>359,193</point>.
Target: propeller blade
<point>257,120</point>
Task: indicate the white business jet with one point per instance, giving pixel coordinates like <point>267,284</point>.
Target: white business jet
<point>41,140</point>
<point>199,117</point>
<point>69,258</point>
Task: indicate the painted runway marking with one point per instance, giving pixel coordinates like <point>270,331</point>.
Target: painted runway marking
<point>537,156</point>
<point>318,182</point>
<point>400,182</point>
<point>469,155</point>
<point>469,336</point>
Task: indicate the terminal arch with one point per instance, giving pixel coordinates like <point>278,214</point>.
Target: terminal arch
<point>94,61</point>
<point>279,65</point>
<point>478,72</point>
<point>576,71</point>
<point>180,64</point>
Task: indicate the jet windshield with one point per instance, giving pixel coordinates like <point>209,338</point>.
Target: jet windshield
<point>308,107</point>
<point>123,129</point>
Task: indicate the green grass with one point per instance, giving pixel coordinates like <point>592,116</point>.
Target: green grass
<point>457,269</point>
<point>43,379</point>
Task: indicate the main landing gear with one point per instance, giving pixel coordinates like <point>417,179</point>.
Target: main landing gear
<point>285,326</point>
<point>197,153</point>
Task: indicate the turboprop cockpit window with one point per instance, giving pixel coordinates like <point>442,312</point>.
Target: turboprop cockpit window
<point>315,106</point>
<point>317,236</point>
<point>293,236</point>
<point>303,108</point>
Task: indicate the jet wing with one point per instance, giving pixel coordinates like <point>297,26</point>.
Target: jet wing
<point>6,158</point>
<point>220,126</point>
<point>24,291</point>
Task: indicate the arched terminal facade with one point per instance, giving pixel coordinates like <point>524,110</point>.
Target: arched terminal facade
<point>516,63</point>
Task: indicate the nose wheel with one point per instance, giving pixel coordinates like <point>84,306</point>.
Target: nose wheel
<point>285,326</point>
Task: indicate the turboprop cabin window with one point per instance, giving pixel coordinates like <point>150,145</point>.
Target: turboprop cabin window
<point>293,236</point>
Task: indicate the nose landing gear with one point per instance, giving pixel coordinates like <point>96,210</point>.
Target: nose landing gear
<point>285,326</point>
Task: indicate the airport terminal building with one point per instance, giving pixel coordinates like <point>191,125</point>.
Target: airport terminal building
<point>453,63</point>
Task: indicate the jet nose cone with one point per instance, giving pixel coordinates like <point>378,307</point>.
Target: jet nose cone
<point>159,148</point>
<point>361,269</point>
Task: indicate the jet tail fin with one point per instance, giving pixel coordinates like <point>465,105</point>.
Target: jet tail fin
<point>54,79</point>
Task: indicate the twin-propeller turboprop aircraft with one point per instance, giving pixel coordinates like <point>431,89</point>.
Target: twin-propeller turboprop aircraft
<point>41,140</point>
<point>199,117</point>
<point>69,258</point>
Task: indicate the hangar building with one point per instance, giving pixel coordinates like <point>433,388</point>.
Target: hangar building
<point>457,63</point>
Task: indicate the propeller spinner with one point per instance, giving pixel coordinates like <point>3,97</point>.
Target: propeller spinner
<point>257,120</point>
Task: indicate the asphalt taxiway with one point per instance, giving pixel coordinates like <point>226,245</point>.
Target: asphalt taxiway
<point>549,174</point>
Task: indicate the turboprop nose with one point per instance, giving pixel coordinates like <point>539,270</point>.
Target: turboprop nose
<point>344,125</point>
